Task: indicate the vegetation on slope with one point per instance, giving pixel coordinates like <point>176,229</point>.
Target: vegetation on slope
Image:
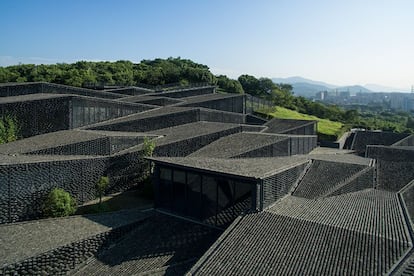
<point>150,72</point>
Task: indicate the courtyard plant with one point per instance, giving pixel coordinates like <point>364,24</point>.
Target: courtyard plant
<point>147,151</point>
<point>59,203</point>
<point>101,187</point>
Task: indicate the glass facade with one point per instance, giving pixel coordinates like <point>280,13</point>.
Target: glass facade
<point>211,199</point>
<point>88,112</point>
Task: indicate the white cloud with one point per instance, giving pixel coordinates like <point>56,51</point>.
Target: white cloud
<point>10,60</point>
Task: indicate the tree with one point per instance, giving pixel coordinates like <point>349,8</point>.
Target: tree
<point>145,179</point>
<point>101,186</point>
<point>148,147</point>
<point>229,85</point>
<point>147,151</point>
<point>250,84</point>
<point>9,129</point>
<point>59,203</point>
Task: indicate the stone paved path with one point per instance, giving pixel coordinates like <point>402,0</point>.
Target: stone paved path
<point>22,240</point>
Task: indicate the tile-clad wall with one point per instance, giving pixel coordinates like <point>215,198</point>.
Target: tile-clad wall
<point>23,187</point>
<point>280,184</point>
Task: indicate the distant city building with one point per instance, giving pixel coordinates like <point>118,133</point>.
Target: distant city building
<point>322,95</point>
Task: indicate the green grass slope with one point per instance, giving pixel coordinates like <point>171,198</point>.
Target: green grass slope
<point>327,129</point>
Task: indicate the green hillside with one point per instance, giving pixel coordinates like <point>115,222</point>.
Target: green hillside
<point>327,129</point>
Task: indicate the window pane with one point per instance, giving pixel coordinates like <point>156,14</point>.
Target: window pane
<point>242,197</point>
<point>179,192</point>
<point>209,201</point>
<point>194,195</point>
<point>225,202</point>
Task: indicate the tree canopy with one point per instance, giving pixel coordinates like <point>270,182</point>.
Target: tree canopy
<point>150,72</point>
<point>183,72</point>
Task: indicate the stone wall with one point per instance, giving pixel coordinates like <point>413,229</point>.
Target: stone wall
<point>221,116</point>
<point>408,195</point>
<point>390,153</point>
<point>230,104</point>
<point>280,184</point>
<point>20,89</point>
<point>364,138</point>
<point>23,187</point>
<point>365,180</point>
<point>406,142</point>
<point>39,116</point>
<point>188,92</point>
<point>191,144</point>
<point>100,146</point>
<point>394,175</point>
<point>155,122</point>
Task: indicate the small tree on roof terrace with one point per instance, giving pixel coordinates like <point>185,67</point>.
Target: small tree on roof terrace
<point>147,151</point>
<point>9,129</point>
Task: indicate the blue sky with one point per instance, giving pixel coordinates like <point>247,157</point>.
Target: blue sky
<point>340,42</point>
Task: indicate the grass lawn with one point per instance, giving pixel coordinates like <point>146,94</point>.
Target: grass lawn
<point>326,128</point>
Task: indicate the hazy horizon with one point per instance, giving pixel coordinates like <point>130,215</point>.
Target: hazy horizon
<point>341,43</point>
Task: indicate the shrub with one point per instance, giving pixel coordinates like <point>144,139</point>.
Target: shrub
<point>101,186</point>
<point>59,203</point>
<point>9,129</point>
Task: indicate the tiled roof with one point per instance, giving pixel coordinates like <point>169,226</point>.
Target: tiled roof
<point>245,167</point>
<point>308,237</point>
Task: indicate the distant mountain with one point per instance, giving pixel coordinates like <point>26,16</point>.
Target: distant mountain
<point>380,88</point>
<point>352,89</point>
<point>297,79</point>
<point>309,88</point>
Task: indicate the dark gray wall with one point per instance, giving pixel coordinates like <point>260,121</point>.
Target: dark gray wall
<point>100,146</point>
<point>231,104</point>
<point>43,87</point>
<point>364,138</point>
<point>408,195</point>
<point>188,92</point>
<point>221,116</point>
<point>154,123</point>
<point>393,175</point>
<point>20,89</point>
<point>280,184</point>
<point>23,187</point>
<point>39,116</point>
<point>191,144</point>
<point>364,181</point>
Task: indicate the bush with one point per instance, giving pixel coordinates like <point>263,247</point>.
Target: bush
<point>59,203</point>
<point>101,186</point>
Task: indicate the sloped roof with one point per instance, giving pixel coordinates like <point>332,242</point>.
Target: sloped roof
<point>276,125</point>
<point>237,144</point>
<point>347,235</point>
<point>245,167</point>
<point>48,140</point>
